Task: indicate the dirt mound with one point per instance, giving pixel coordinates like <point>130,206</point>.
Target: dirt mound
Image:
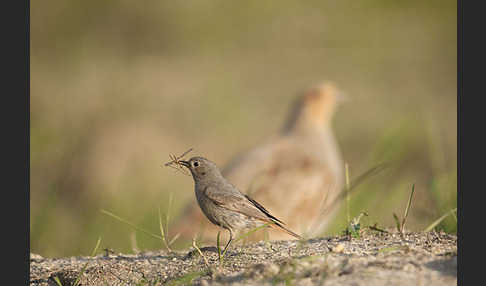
<point>372,259</point>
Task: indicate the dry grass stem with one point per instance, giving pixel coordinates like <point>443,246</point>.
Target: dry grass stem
<point>409,204</point>
<point>200,252</point>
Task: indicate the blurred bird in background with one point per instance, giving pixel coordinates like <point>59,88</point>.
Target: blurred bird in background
<point>297,175</point>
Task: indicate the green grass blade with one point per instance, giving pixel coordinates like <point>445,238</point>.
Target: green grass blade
<point>346,169</point>
<point>171,197</point>
<point>218,245</point>
<point>187,278</point>
<point>96,247</point>
<point>131,224</point>
<point>375,170</point>
<point>162,233</point>
<point>439,220</point>
<point>164,239</point>
<point>356,182</point>
<point>454,216</point>
<point>244,235</point>
<point>57,280</point>
<point>397,221</point>
<point>76,282</point>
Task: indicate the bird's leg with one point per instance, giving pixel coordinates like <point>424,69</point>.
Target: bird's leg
<point>229,241</point>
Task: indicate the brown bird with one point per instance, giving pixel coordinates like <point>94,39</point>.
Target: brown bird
<point>298,174</point>
<point>223,204</point>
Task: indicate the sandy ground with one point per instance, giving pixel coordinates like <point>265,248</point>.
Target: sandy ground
<point>374,258</point>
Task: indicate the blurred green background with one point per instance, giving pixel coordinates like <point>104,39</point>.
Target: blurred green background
<point>116,86</point>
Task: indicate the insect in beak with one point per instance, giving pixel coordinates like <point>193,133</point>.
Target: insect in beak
<point>179,163</point>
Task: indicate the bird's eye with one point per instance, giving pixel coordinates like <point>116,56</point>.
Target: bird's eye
<point>196,164</point>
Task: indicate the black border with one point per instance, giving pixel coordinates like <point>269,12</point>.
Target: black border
<point>470,142</point>
<point>459,136</point>
<point>15,138</point>
<point>27,133</point>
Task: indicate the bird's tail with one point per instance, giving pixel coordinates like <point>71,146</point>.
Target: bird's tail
<point>280,227</point>
<point>274,222</point>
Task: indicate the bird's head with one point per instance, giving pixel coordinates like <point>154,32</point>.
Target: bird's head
<point>315,107</point>
<point>201,169</point>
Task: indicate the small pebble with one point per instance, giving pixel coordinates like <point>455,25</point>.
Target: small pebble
<point>338,248</point>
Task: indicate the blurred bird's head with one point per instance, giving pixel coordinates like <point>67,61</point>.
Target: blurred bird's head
<point>314,108</point>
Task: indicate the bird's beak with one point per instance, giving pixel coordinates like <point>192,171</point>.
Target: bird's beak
<point>185,163</point>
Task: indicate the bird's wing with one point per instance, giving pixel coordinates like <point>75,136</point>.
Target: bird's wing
<point>236,201</point>
<point>262,209</point>
<point>245,205</point>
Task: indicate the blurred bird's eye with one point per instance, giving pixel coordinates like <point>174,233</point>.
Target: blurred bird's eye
<point>196,164</point>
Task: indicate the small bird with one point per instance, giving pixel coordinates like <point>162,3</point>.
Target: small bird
<point>223,204</point>
<point>298,174</point>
